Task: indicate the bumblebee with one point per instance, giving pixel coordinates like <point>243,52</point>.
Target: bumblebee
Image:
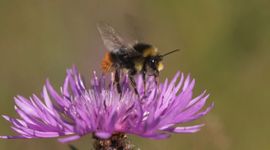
<point>140,58</point>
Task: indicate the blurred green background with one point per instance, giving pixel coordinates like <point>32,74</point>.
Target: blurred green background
<point>225,46</point>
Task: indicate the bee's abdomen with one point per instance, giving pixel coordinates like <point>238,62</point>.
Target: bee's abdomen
<point>106,63</point>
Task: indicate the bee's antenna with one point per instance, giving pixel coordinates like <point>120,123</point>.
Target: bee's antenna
<point>176,50</point>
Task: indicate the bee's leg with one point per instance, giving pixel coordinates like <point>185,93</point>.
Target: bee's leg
<point>133,84</point>
<point>156,79</point>
<point>144,77</point>
<point>144,81</point>
<point>117,81</point>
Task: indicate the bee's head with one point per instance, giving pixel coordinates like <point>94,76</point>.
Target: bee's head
<point>154,63</point>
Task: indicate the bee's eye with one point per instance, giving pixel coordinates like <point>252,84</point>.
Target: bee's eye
<point>153,61</point>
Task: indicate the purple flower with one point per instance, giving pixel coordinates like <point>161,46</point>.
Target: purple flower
<point>100,110</point>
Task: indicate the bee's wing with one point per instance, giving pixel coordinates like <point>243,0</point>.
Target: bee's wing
<point>111,39</point>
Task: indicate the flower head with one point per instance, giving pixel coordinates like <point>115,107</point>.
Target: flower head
<point>100,110</point>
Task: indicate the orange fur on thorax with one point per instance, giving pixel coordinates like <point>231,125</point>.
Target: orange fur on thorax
<point>106,63</point>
